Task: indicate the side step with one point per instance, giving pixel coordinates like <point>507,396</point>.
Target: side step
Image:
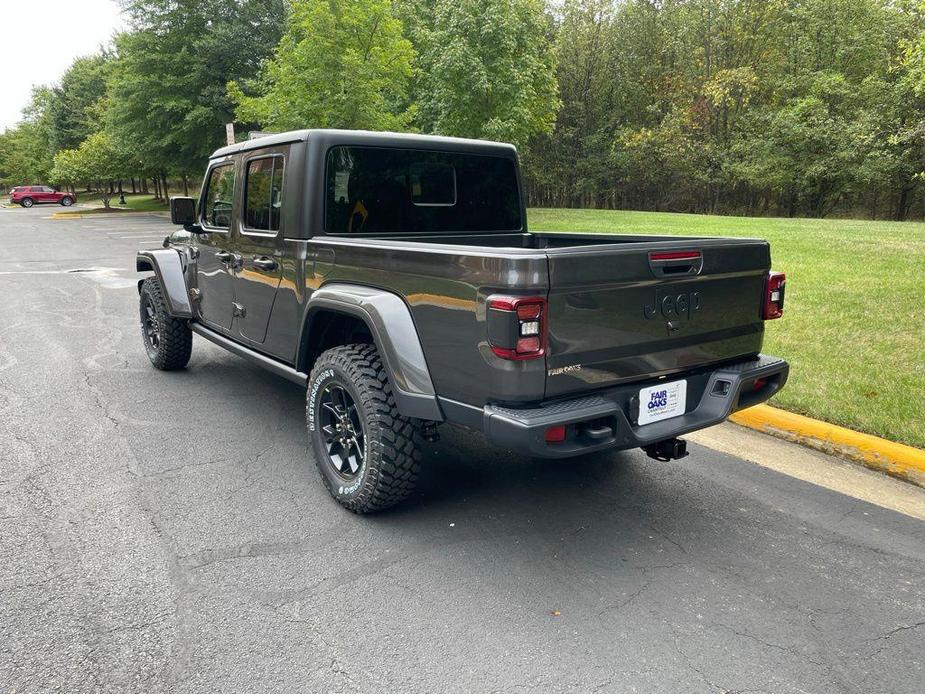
<point>268,363</point>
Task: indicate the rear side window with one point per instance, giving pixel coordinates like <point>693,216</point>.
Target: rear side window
<point>263,193</point>
<point>385,190</point>
<point>219,198</point>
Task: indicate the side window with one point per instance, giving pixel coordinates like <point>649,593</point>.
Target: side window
<point>263,196</point>
<point>219,196</point>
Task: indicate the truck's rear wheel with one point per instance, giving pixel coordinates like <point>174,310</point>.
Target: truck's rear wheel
<point>168,341</point>
<point>368,454</point>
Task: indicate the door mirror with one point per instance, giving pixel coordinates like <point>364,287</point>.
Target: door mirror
<point>183,211</point>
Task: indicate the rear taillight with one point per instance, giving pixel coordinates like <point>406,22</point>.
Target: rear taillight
<point>774,295</point>
<point>517,326</point>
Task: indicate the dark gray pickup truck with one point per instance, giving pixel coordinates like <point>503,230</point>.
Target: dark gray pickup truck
<point>394,277</point>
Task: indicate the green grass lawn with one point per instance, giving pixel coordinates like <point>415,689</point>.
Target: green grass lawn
<point>134,203</point>
<point>854,326</point>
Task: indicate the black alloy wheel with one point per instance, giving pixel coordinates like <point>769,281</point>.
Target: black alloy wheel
<point>343,431</point>
<point>149,325</point>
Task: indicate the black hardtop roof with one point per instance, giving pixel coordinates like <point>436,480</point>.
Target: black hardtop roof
<point>329,138</point>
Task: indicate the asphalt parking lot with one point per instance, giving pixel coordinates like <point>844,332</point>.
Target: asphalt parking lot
<point>168,532</point>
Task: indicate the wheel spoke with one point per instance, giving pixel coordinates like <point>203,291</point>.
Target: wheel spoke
<point>342,396</point>
<point>359,448</point>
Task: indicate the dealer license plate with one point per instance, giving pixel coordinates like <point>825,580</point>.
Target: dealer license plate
<point>662,401</point>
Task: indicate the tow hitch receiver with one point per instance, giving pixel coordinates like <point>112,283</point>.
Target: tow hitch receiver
<point>669,449</point>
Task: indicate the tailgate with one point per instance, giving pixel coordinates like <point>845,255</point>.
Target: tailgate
<point>632,311</point>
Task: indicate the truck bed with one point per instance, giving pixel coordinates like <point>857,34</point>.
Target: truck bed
<point>616,313</point>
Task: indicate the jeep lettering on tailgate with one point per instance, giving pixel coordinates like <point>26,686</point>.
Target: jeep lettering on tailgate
<point>672,304</point>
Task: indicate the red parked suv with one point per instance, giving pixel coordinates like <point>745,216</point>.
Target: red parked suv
<point>27,196</point>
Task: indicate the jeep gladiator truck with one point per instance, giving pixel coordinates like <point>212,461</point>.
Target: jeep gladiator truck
<point>394,276</point>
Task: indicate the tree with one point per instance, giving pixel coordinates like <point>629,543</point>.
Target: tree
<point>574,165</point>
<point>341,63</point>
<point>76,109</point>
<point>489,71</point>
<point>98,158</point>
<point>167,92</point>
<point>25,150</point>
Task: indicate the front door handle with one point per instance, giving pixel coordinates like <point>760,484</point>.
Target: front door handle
<point>264,263</point>
<point>224,256</point>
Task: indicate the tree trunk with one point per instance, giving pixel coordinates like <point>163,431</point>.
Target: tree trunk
<point>134,191</point>
<point>902,206</point>
<point>164,182</point>
<point>186,185</point>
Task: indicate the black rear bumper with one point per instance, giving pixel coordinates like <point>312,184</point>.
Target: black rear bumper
<point>606,419</point>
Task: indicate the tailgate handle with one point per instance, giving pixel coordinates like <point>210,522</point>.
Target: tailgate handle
<point>675,263</point>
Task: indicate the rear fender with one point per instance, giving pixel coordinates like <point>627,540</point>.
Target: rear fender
<point>168,268</point>
<point>389,321</point>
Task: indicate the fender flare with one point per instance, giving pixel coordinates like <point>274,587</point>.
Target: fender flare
<point>168,267</point>
<point>392,327</point>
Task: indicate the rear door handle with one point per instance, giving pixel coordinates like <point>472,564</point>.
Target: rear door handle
<point>264,263</point>
<point>224,256</point>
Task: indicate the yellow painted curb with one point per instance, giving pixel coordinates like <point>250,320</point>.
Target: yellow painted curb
<point>895,459</point>
<point>66,215</point>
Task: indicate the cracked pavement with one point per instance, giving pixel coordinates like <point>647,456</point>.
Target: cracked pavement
<point>168,532</point>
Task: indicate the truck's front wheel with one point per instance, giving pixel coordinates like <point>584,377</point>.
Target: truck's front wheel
<point>367,453</point>
<point>168,341</point>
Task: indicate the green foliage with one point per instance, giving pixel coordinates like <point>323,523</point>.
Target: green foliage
<point>167,94</point>
<point>26,150</point>
<point>77,105</point>
<point>488,70</point>
<point>98,158</point>
<point>341,63</point>
<point>747,106</point>
<point>740,106</point>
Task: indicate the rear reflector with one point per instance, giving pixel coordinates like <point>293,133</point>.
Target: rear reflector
<point>555,434</point>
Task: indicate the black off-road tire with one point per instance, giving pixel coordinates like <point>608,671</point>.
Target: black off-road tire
<point>174,340</point>
<point>27,202</point>
<point>67,201</point>
<point>391,462</point>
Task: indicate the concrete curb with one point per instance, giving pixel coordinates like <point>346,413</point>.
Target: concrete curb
<point>104,215</point>
<point>896,459</point>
